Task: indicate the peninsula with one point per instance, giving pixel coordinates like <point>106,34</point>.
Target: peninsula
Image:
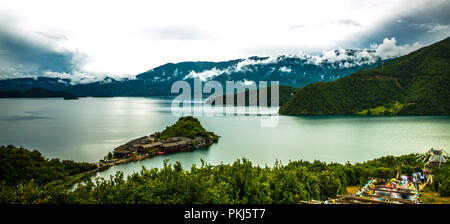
<point>185,135</point>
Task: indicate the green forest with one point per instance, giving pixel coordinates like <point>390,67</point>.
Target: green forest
<point>419,83</point>
<point>239,183</point>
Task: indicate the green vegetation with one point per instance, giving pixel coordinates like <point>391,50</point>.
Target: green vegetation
<point>390,108</point>
<point>419,82</point>
<point>237,183</point>
<point>19,166</point>
<point>27,177</point>
<point>68,181</point>
<point>441,179</point>
<point>285,93</point>
<point>187,127</point>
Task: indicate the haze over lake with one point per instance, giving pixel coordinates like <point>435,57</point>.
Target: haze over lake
<point>88,128</point>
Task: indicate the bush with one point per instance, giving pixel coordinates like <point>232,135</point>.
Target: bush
<point>444,188</point>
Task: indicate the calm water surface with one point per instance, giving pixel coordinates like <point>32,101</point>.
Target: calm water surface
<point>88,128</point>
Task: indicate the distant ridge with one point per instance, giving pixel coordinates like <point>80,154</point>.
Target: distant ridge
<point>35,93</point>
<point>414,84</point>
<point>285,93</point>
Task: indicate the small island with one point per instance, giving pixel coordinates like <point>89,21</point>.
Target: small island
<point>71,98</point>
<point>185,135</point>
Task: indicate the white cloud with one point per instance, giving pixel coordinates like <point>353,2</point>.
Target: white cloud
<point>341,58</point>
<point>79,77</point>
<point>205,75</point>
<point>390,49</point>
<point>248,83</point>
<point>285,69</point>
<point>244,64</point>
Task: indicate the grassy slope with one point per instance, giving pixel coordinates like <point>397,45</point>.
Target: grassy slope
<point>419,82</point>
<point>434,198</point>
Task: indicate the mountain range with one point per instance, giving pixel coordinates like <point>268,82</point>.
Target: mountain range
<point>290,70</point>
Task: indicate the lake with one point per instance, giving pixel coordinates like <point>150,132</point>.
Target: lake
<point>88,128</point>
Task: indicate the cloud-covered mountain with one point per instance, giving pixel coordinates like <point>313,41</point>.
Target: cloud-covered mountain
<point>292,70</point>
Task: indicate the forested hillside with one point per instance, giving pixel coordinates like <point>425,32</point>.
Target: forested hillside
<point>414,84</point>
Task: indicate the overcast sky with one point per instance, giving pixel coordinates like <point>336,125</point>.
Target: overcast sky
<point>123,38</point>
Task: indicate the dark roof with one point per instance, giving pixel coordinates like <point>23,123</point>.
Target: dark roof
<point>174,139</point>
<point>121,151</point>
<point>173,144</point>
<point>154,144</point>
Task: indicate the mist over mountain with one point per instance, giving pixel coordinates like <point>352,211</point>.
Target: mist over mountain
<point>291,70</point>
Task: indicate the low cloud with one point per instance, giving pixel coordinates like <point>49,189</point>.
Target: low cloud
<point>248,82</point>
<point>205,75</point>
<point>285,69</point>
<point>348,58</point>
<point>340,58</point>
<point>81,77</point>
<point>390,49</point>
<point>246,63</point>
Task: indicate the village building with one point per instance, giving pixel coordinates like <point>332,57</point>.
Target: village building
<point>176,146</point>
<point>200,141</point>
<point>122,153</point>
<point>174,139</point>
<point>136,142</point>
<point>147,147</point>
<point>129,148</point>
<point>150,140</point>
